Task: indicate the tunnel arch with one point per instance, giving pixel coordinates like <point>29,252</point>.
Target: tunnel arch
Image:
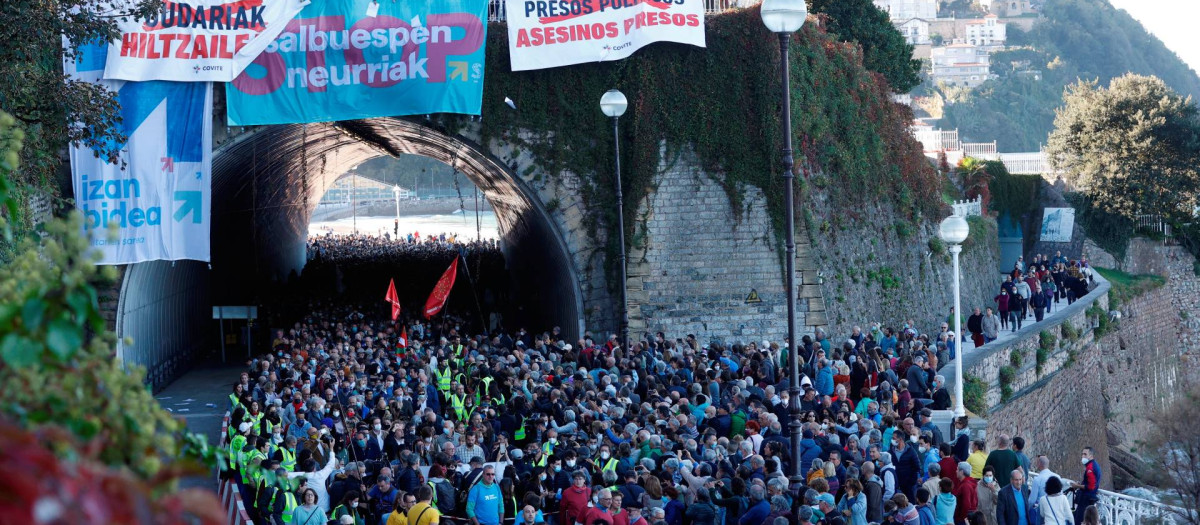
<point>265,185</point>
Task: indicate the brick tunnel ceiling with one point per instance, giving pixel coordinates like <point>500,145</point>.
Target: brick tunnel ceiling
<point>267,183</point>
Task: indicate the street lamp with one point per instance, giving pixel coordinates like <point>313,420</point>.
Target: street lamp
<point>784,17</point>
<point>953,231</point>
<point>613,104</point>
<point>396,194</point>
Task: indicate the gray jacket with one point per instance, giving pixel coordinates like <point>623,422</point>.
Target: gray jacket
<point>991,326</point>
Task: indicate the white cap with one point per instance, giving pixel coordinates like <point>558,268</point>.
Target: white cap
<point>245,427</point>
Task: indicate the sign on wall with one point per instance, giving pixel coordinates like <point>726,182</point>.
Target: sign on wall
<point>352,59</point>
<point>157,195</point>
<point>197,40</point>
<point>545,34</point>
<point>1057,224</point>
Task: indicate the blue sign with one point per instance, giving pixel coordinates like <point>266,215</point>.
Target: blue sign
<point>353,59</point>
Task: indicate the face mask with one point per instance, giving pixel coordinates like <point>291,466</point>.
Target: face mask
<point>448,431</point>
<point>1083,461</point>
<point>558,468</point>
<point>378,427</point>
<point>336,413</point>
<point>923,449</point>
<point>389,384</point>
<point>361,442</point>
<point>553,441</point>
<point>571,463</point>
<point>277,439</point>
<point>353,504</point>
<point>604,455</point>
<point>896,444</point>
<point>988,479</point>
<point>912,438</point>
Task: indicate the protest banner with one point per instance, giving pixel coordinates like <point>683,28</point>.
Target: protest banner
<point>544,34</point>
<point>196,40</point>
<point>352,59</point>
<point>157,195</point>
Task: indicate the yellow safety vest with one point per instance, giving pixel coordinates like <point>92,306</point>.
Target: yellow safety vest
<point>235,451</point>
<point>289,460</point>
<point>487,383</point>
<point>289,506</point>
<point>444,381</point>
<point>457,403</point>
<point>234,403</point>
<point>520,432</point>
<point>248,477</point>
<point>611,465</point>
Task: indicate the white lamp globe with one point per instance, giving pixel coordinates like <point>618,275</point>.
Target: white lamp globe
<point>954,229</point>
<point>613,103</point>
<point>784,16</point>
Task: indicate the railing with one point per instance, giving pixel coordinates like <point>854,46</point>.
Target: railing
<point>497,12</point>
<point>969,208</point>
<point>1154,223</point>
<point>937,140</point>
<point>1121,509</point>
<point>980,150</point>
<point>1032,163</point>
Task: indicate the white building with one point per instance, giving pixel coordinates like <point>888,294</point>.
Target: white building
<point>960,65</point>
<point>1007,7</point>
<point>989,32</point>
<point>908,9</point>
<point>915,30</point>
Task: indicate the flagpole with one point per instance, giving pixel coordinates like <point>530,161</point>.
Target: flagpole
<point>474,294</point>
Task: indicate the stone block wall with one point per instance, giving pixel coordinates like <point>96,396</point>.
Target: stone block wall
<point>701,260</point>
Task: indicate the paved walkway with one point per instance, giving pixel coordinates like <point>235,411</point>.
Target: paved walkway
<point>200,397</point>
<point>1008,334</point>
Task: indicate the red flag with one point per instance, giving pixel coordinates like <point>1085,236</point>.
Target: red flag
<point>441,291</point>
<point>391,297</point>
<point>403,342</point>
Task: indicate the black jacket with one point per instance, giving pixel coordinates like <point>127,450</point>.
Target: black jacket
<point>1006,505</point>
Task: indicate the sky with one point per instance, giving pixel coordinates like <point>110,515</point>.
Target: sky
<point>1172,21</point>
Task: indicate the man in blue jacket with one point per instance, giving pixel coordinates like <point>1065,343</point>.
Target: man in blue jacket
<point>485,504</point>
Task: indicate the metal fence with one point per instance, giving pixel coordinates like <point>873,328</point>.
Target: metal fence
<point>972,208</point>
<point>497,12</point>
<point>1153,223</point>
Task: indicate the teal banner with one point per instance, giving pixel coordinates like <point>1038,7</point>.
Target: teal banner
<point>353,59</point>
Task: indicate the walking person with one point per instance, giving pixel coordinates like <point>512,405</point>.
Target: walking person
<point>1016,316</point>
<point>991,326</point>
<point>1038,302</point>
<point>1002,305</point>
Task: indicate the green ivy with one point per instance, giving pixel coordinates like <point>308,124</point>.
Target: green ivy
<point>1014,358</point>
<point>975,394</point>
<point>721,101</point>
<point>1069,332</point>
<point>1043,355</point>
<point>1008,374</point>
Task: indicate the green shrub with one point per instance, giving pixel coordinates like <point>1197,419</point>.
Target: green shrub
<point>1014,358</point>
<point>975,394</point>
<point>1069,332</point>
<point>903,229</point>
<point>1043,355</point>
<point>1046,339</point>
<point>937,246</point>
<point>1007,375</point>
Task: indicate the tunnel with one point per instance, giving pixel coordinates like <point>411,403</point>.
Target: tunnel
<point>265,186</point>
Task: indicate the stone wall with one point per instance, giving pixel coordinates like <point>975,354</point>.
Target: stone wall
<point>1056,406</point>
<point>697,261</point>
<point>884,269</point>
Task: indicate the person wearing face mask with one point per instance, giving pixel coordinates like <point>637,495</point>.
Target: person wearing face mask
<point>987,492</point>
<point>908,466</point>
<point>349,506</point>
<point>574,499</point>
<point>1089,490</point>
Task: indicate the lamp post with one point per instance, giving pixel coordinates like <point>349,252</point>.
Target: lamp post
<point>613,104</point>
<point>396,194</point>
<point>784,17</point>
<point>953,231</point>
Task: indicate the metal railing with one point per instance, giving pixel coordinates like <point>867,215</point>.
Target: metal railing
<point>1154,223</point>
<point>1122,509</point>
<point>938,140</point>
<point>980,150</point>
<point>497,12</point>
<point>1032,163</point>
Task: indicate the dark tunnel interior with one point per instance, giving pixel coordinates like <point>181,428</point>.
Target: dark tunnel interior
<point>265,186</point>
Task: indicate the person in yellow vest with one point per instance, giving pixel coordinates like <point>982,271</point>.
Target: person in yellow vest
<point>349,507</point>
<point>235,398</point>
<point>251,463</point>
<point>237,444</point>
<point>458,402</point>
<point>423,513</point>
<point>276,502</point>
<point>285,454</point>
<point>605,463</point>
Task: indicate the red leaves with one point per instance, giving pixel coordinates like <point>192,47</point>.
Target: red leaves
<point>43,488</point>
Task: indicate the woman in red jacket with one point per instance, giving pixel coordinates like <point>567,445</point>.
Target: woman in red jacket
<point>575,499</point>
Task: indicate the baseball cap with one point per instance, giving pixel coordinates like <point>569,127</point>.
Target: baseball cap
<point>826,498</point>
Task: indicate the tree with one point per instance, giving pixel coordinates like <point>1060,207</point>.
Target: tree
<point>1175,443</point>
<point>53,109</point>
<point>884,49</point>
<point>1133,147</point>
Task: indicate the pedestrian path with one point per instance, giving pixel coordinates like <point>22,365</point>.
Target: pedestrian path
<point>1029,323</point>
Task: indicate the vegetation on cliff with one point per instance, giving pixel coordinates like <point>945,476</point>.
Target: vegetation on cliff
<point>1076,39</point>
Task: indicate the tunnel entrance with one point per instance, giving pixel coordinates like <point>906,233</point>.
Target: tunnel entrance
<point>267,185</point>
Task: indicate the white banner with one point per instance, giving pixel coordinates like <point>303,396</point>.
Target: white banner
<point>158,195</point>
<point>1057,224</point>
<point>198,40</point>
<point>554,33</point>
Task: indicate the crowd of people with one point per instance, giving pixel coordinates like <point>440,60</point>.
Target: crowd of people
<point>527,428</point>
<point>1028,293</point>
